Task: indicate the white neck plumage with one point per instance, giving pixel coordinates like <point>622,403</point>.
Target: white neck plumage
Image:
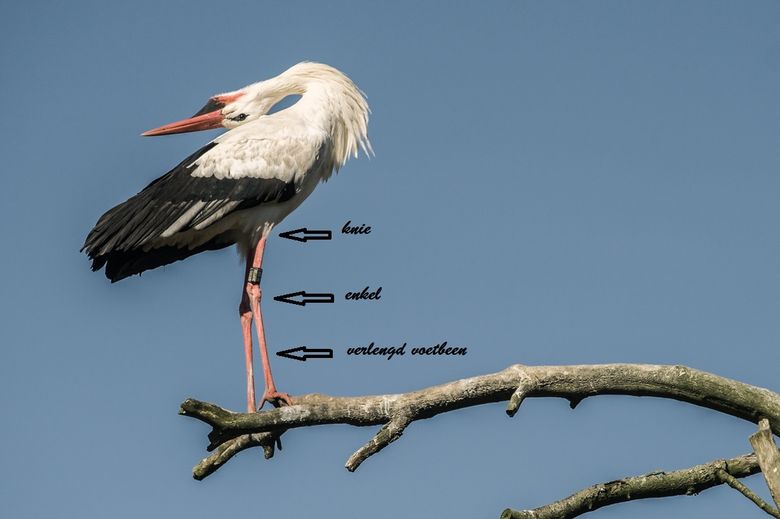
<point>330,100</point>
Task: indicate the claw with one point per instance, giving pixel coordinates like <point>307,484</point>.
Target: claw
<point>275,398</point>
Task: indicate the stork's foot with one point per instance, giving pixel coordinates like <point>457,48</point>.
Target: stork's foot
<point>275,398</point>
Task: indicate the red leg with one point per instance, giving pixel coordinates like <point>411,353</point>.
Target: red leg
<point>245,311</point>
<point>253,290</point>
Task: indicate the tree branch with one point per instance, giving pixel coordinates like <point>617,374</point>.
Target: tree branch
<point>570,382</point>
<point>689,481</point>
<point>234,432</point>
<point>389,433</point>
<point>734,483</point>
<point>230,448</point>
<point>768,457</point>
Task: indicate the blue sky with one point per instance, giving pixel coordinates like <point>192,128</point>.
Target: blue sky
<point>554,183</point>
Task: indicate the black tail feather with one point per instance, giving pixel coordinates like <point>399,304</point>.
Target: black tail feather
<point>121,264</point>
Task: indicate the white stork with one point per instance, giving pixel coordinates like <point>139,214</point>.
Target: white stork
<point>235,189</point>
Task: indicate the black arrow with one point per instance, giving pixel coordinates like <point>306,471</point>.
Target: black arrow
<point>308,353</point>
<point>301,298</point>
<point>303,235</point>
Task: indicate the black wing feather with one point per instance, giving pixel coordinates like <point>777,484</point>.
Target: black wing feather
<point>124,237</point>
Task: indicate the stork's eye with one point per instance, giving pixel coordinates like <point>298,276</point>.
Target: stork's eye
<point>240,117</point>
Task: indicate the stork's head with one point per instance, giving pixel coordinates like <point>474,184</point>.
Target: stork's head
<point>341,103</point>
<point>221,111</point>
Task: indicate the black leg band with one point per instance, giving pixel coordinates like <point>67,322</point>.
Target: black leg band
<point>254,275</point>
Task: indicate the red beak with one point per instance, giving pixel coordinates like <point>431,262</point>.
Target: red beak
<point>205,121</point>
<point>207,118</point>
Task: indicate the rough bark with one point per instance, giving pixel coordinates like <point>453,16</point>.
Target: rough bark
<point>737,485</point>
<point>689,481</point>
<point>768,457</point>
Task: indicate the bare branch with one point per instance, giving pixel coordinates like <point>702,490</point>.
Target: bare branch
<point>688,482</point>
<point>737,485</point>
<point>389,433</point>
<point>527,385</point>
<point>768,457</point>
<point>230,448</point>
<point>515,383</point>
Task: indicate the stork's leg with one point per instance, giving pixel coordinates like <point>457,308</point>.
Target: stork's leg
<point>253,291</point>
<point>245,311</point>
